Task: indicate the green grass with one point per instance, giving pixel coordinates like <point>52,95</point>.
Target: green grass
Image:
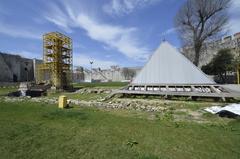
<point>85,96</point>
<point>101,85</point>
<point>34,130</point>
<point>5,91</point>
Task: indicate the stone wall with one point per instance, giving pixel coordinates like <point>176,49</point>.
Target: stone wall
<point>15,68</point>
<point>114,73</point>
<point>210,49</point>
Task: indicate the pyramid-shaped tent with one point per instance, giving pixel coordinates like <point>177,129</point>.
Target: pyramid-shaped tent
<point>168,66</point>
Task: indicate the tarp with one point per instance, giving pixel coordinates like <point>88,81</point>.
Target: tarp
<point>168,66</point>
<point>232,108</point>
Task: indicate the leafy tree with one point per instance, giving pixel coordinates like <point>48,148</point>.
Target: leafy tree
<point>237,66</point>
<point>199,21</point>
<point>237,60</point>
<point>208,69</point>
<point>220,64</point>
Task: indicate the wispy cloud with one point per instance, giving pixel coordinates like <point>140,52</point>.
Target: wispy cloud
<point>115,37</point>
<point>123,39</point>
<point>57,16</point>
<point>123,7</point>
<point>19,32</point>
<point>84,60</point>
<point>11,23</point>
<point>24,53</point>
<point>29,54</point>
<point>169,31</point>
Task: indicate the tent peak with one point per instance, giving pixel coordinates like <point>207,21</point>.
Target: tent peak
<point>168,66</point>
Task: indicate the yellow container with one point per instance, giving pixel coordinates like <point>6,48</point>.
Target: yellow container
<point>62,102</point>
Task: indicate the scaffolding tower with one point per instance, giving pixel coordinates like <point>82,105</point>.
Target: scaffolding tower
<point>57,60</point>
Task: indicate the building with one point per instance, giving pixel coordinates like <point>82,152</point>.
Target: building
<point>211,48</point>
<point>15,68</point>
<point>78,74</point>
<point>114,73</point>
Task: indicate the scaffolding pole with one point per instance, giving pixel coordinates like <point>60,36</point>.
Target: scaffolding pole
<point>57,60</point>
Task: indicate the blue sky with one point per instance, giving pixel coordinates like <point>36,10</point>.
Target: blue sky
<point>109,32</point>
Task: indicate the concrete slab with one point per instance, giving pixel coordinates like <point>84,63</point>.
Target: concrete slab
<point>232,88</point>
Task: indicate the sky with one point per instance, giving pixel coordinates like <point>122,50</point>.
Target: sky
<point>107,32</point>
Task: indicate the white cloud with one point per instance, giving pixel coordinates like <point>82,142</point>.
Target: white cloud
<point>117,37</point>
<point>83,60</point>
<point>26,54</point>
<point>15,30</point>
<point>58,17</point>
<point>30,55</point>
<point>18,32</point>
<point>169,31</point>
<point>123,7</point>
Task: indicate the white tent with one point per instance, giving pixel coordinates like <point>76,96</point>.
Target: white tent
<point>168,66</point>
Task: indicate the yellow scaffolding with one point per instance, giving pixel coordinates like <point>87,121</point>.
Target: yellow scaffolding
<point>57,60</point>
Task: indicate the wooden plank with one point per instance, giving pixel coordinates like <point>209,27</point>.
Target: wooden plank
<point>179,93</point>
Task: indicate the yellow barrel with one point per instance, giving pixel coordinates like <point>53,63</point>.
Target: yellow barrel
<point>62,102</point>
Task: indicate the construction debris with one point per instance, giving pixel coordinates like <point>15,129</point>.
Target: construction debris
<point>231,110</point>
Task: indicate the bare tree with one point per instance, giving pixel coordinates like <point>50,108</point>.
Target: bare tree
<point>128,73</point>
<point>199,21</point>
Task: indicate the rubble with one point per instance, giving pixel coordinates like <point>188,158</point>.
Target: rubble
<point>94,90</point>
<point>114,104</point>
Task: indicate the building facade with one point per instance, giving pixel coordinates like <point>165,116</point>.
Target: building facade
<point>15,68</point>
<point>114,73</point>
<point>210,49</point>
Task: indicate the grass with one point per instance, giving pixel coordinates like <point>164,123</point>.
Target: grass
<point>85,96</point>
<point>34,130</point>
<point>100,85</point>
<point>5,91</point>
<point>89,96</point>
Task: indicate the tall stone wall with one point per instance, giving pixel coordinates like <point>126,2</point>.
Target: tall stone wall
<point>113,74</point>
<point>6,73</point>
<point>15,68</point>
<point>36,63</point>
<point>210,49</point>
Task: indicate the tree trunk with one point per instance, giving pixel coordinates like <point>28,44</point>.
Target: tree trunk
<point>222,78</point>
<point>225,76</point>
<point>197,55</point>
